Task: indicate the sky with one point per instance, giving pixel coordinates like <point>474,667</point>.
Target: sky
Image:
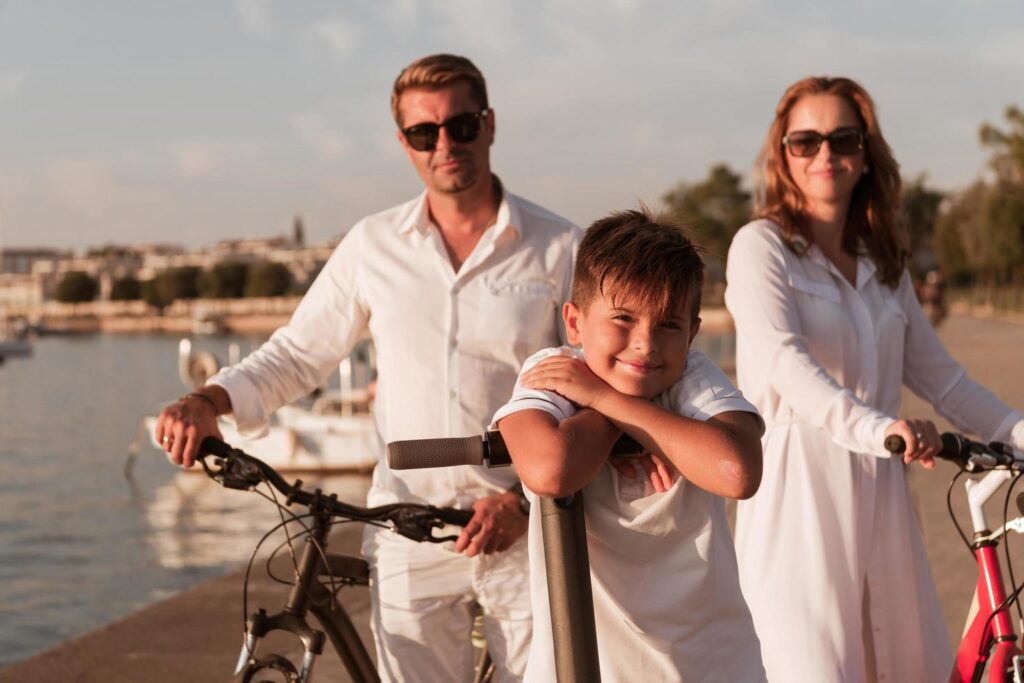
<point>126,121</point>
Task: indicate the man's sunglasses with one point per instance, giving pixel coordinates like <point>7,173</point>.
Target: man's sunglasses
<point>806,143</point>
<point>460,128</point>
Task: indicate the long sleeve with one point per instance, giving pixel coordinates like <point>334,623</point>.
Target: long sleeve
<point>937,377</point>
<point>326,325</point>
<point>768,324</point>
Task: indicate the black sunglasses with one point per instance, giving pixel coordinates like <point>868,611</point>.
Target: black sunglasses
<point>461,128</point>
<point>806,143</point>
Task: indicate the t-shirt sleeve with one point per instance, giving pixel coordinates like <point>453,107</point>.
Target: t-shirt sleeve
<point>536,399</point>
<point>704,391</point>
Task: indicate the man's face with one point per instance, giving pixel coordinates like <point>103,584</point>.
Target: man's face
<point>451,167</point>
<point>633,352</point>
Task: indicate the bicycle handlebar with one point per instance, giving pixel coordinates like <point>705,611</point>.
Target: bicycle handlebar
<point>488,450</point>
<point>969,455</point>
<point>237,469</point>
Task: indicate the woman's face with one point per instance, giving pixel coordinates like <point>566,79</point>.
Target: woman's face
<point>826,177</point>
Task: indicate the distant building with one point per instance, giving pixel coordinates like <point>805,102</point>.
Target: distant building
<point>29,277</point>
<point>22,261</point>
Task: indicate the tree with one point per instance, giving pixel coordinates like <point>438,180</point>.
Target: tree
<point>76,287</point>
<point>298,232</point>
<point>171,284</point>
<point>154,295</point>
<point>920,208</point>
<point>126,288</point>
<point>1000,235</point>
<point>965,209</point>
<point>1008,146</point>
<point>268,278</point>
<point>224,280</point>
<point>712,210</point>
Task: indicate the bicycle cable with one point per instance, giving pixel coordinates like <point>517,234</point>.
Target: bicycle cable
<point>248,570</point>
<point>1006,543</point>
<point>952,515</point>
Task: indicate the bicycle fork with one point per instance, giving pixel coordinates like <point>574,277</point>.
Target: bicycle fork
<point>308,595</point>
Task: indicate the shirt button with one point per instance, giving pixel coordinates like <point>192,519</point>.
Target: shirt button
<point>452,393</point>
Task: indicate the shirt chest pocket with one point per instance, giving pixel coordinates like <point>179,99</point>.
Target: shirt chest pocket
<point>518,311</point>
<point>824,323</point>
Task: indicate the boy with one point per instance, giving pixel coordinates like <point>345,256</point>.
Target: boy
<point>667,600</point>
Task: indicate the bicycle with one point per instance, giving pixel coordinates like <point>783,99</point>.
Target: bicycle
<point>318,575</point>
<point>989,642</point>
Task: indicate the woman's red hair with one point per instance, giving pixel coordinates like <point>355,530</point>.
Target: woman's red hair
<point>874,215</point>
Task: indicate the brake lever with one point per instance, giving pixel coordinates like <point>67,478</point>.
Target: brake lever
<point>233,472</point>
<point>1013,525</point>
<point>419,526</point>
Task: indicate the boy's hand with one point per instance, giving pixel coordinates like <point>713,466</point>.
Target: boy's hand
<point>661,474</point>
<point>568,377</point>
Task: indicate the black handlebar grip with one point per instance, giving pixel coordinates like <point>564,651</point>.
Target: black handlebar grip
<point>895,444</point>
<point>417,453</point>
<point>453,516</point>
<point>215,446</point>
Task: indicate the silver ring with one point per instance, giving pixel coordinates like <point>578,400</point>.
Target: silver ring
<point>167,439</point>
<point>918,435</point>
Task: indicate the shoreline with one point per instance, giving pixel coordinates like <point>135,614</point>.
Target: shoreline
<point>264,316</point>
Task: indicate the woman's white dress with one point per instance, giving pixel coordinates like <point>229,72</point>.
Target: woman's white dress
<point>831,535</point>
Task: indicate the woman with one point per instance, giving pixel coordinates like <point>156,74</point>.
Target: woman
<point>831,559</point>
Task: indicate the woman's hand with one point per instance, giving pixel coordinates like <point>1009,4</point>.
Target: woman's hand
<point>568,377</point>
<point>922,440</point>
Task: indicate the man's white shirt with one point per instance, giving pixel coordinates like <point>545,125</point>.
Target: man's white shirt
<point>449,344</point>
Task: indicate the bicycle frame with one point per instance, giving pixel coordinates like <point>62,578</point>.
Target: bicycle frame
<point>308,594</point>
<point>989,638</point>
<point>236,470</point>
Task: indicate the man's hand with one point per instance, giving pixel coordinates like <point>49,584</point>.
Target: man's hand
<point>660,473</point>
<point>182,426</point>
<point>497,523</point>
<point>568,377</point>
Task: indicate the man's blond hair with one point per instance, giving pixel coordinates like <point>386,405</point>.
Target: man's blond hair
<point>438,71</point>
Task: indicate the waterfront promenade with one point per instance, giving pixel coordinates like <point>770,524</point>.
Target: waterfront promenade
<point>196,635</point>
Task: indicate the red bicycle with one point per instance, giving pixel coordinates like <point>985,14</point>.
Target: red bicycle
<point>989,643</point>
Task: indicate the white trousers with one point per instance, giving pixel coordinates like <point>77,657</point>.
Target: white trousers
<point>424,598</point>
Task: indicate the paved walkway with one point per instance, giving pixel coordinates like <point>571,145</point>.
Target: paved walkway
<point>196,635</point>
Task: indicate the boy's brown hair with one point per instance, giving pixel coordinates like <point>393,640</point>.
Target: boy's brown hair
<point>438,71</point>
<point>643,257</point>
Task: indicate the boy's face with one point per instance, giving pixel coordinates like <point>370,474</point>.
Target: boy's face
<point>631,351</point>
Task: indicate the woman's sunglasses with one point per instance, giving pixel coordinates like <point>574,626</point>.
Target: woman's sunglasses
<point>460,128</point>
<point>806,143</point>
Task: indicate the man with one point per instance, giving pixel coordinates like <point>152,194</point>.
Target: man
<point>457,288</point>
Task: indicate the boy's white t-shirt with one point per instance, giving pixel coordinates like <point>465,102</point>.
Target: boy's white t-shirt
<point>667,601</point>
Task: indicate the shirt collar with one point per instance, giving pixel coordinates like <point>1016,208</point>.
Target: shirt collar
<point>508,217</point>
<point>865,265</point>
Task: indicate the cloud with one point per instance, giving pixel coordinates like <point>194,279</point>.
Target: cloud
<point>10,83</point>
<point>329,144</point>
<point>255,16</point>
<point>339,35</point>
<point>84,186</point>
<point>1002,50</point>
<point>196,159</point>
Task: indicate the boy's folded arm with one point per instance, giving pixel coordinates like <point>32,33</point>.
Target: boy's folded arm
<point>721,455</point>
<point>555,459</point>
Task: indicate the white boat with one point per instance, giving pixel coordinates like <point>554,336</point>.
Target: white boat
<point>335,434</point>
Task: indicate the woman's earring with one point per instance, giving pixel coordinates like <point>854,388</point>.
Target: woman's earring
<point>865,170</point>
